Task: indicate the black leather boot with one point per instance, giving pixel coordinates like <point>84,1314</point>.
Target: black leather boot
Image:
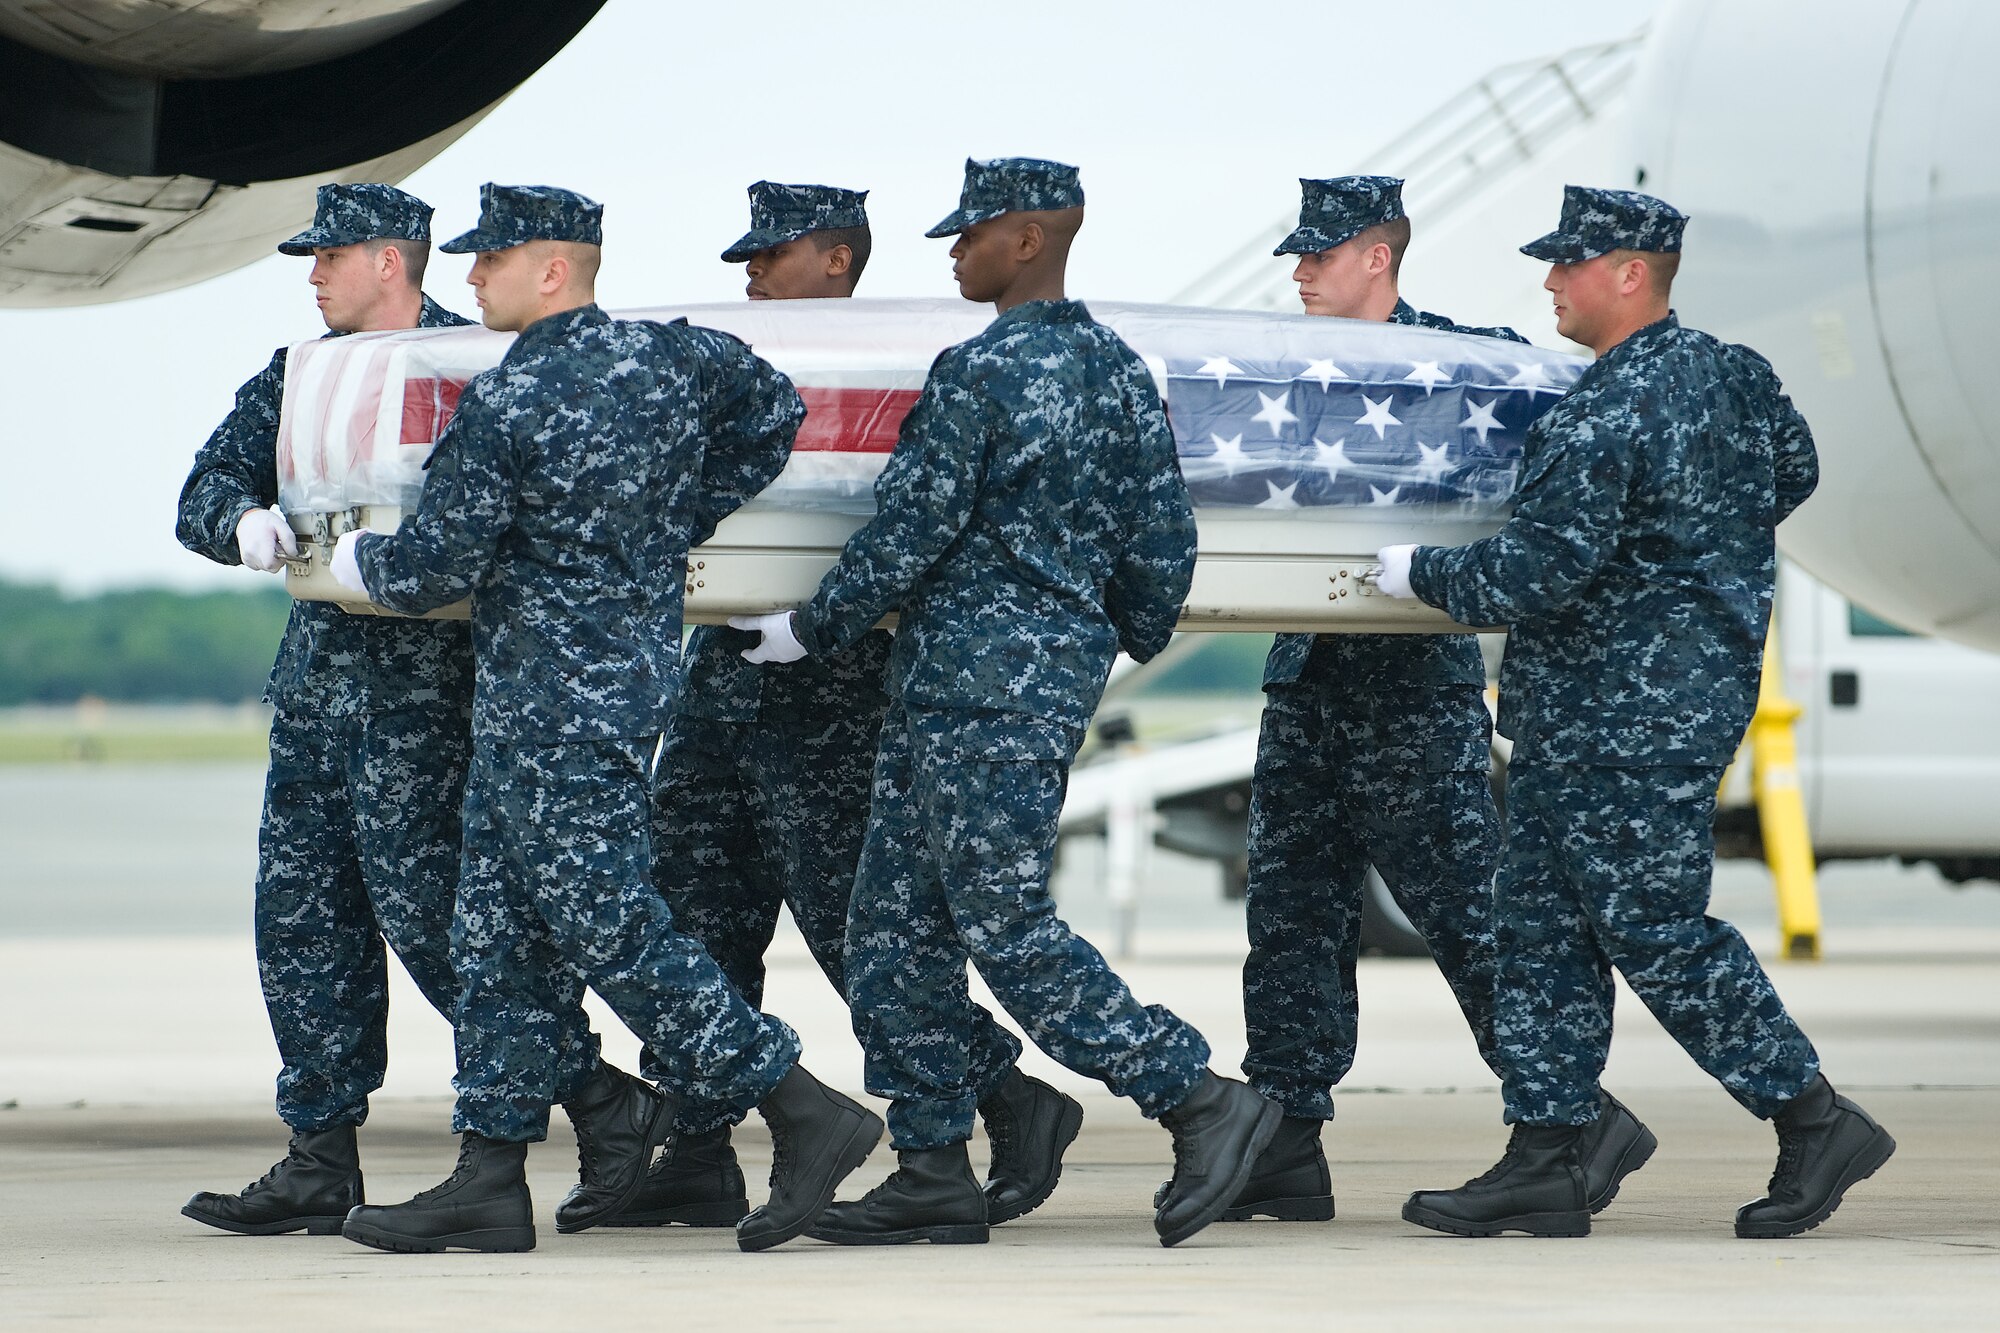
<point>1825,1145</point>
<point>310,1190</point>
<point>1219,1130</point>
<point>482,1205</point>
<point>1029,1126</point>
<point>1536,1187</point>
<point>931,1195</point>
<point>700,1185</point>
<point>1613,1146</point>
<point>619,1121</point>
<point>817,1137</point>
<point>1290,1181</point>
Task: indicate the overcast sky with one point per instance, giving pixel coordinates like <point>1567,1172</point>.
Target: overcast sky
<point>1190,121</point>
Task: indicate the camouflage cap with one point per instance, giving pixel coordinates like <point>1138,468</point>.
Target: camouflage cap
<point>1010,185</point>
<point>1333,212</point>
<point>1596,222</point>
<point>511,215</point>
<point>351,214</point>
<point>780,213</point>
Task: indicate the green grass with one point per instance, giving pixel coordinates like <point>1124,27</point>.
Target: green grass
<point>195,735</point>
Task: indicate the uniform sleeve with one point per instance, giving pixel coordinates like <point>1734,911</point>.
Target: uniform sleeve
<point>750,416</point>
<point>1567,515</point>
<point>1154,571</point>
<point>440,555</point>
<point>923,500</point>
<point>1794,460</point>
<point>236,471</point>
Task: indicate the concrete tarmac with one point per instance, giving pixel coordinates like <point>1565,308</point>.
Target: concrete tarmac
<point>151,1081</point>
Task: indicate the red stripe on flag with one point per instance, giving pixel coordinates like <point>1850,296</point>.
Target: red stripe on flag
<point>428,407</point>
<point>853,421</point>
<point>847,421</point>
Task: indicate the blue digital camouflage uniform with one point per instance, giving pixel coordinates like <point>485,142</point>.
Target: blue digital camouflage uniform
<point>563,498</point>
<point>1372,750</point>
<point>1031,521</point>
<point>1636,575</point>
<point>369,742</point>
<point>761,794</point>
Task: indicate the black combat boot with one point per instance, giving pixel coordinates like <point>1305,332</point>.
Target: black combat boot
<point>1219,1130</point>
<point>817,1137</point>
<point>1613,1146</point>
<point>482,1205</point>
<point>700,1185</point>
<point>931,1195</point>
<point>1290,1181</point>
<point>1536,1187</point>
<point>1029,1126</point>
<point>1825,1144</point>
<point>619,1121</point>
<point>310,1191</point>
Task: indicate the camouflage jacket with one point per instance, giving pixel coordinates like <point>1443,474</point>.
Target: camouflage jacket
<point>330,663</point>
<point>1386,661</point>
<point>563,498</point>
<point>1031,522</point>
<point>1636,572</point>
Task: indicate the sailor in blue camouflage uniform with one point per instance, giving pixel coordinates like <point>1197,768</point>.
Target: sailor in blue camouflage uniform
<point>1031,521</point>
<point>1636,575</point>
<point>761,794</point>
<point>1372,750</point>
<point>562,499</point>
<point>370,735</point>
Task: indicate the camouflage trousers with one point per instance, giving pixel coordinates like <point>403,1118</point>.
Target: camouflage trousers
<point>556,895</point>
<point>358,843</point>
<point>1610,868</point>
<point>1393,778</point>
<point>752,817</point>
<point>955,870</point>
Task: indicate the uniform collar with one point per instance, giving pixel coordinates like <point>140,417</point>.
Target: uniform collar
<point>1641,340</point>
<point>1045,312</point>
<point>556,327</point>
<point>433,315</point>
<point>1404,313</point>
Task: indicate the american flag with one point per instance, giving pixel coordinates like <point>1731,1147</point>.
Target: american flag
<point>1270,412</point>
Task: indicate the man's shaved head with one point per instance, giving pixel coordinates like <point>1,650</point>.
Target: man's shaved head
<point>583,260</point>
<point>1016,256</point>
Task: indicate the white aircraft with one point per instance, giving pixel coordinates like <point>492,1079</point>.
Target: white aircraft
<point>1836,158</point>
<point>145,147</point>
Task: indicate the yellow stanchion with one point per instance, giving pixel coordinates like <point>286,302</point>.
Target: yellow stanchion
<point>1781,810</point>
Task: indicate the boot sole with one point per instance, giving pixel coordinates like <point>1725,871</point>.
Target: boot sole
<point>657,1133</point>
<point>1260,1138</point>
<point>495,1240</point>
<point>312,1226</point>
<point>969,1233</point>
<point>1863,1165</point>
<point>1636,1156</point>
<point>1070,1126</point>
<point>861,1141</point>
<point>1549,1225</point>
<point>724,1214</point>
<point>1310,1209</point>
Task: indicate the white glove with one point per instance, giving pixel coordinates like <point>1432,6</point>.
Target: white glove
<point>346,569</point>
<point>1394,577</point>
<point>259,534</point>
<point>779,644</point>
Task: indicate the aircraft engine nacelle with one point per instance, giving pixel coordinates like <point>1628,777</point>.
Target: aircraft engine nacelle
<point>149,146</point>
<point>1838,162</point>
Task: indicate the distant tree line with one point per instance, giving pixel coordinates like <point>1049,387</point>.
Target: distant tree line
<point>146,645</point>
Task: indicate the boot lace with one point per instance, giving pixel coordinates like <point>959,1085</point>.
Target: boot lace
<point>1515,1144</point>
<point>459,1172</point>
<point>1791,1155</point>
<point>589,1148</point>
<point>1003,1135</point>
